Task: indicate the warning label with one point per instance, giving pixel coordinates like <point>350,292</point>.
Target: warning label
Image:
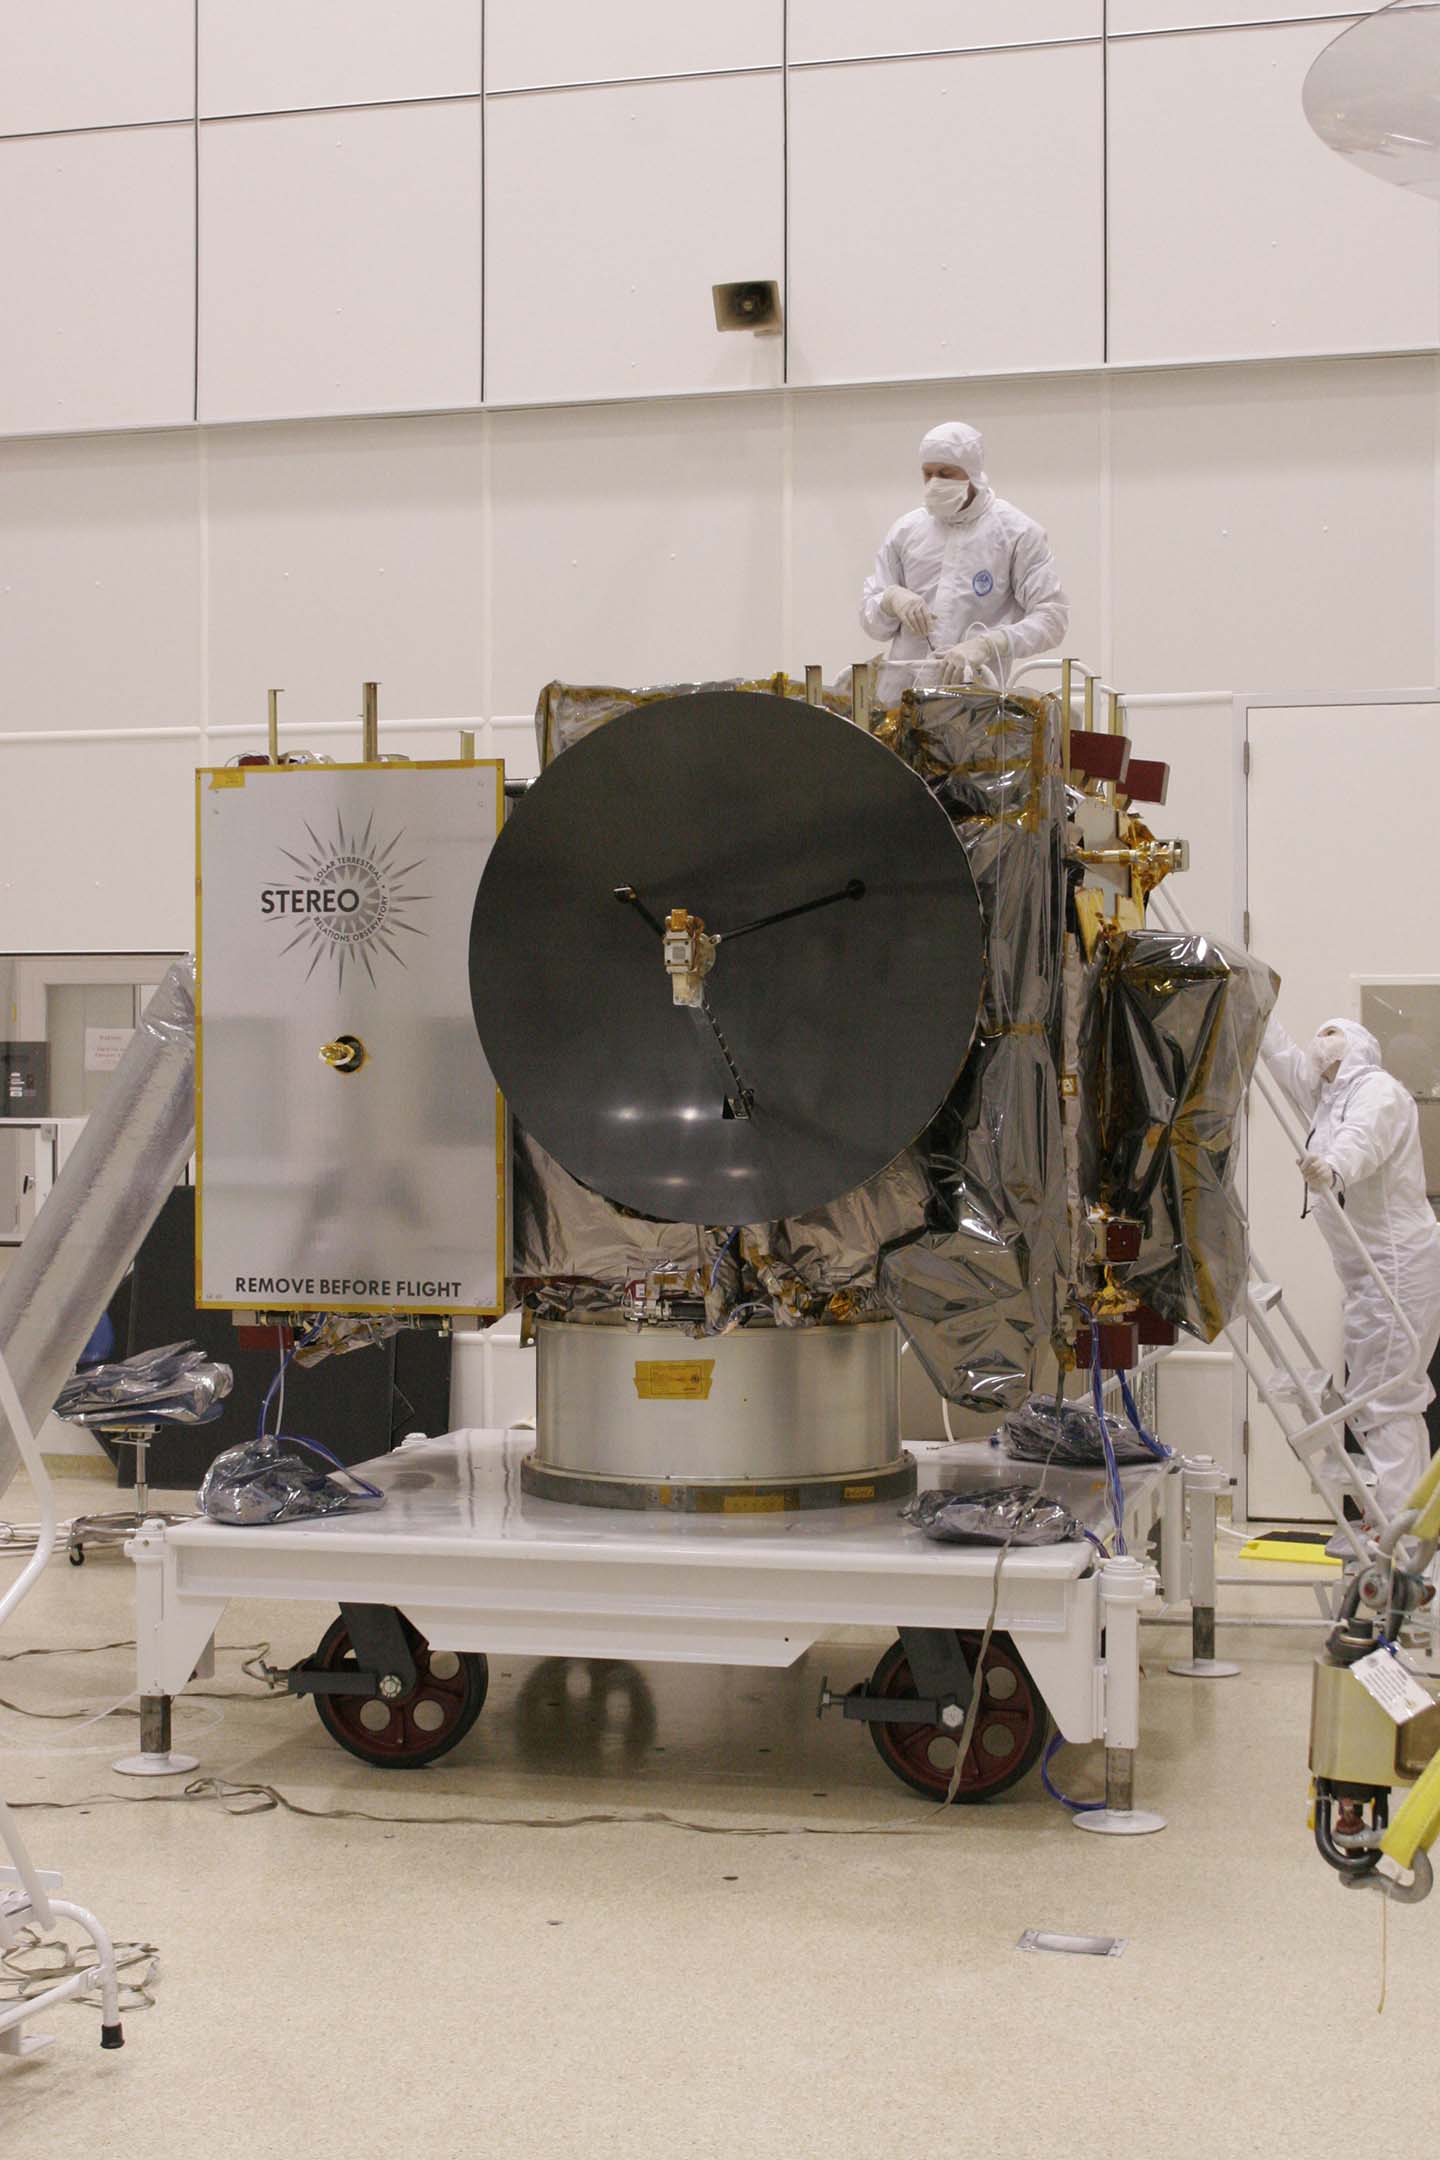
<point>674,1379</point>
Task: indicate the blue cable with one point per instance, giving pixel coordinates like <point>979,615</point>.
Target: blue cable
<point>316,1447</point>
<point>720,1257</point>
<point>271,1391</point>
<point>1157,1447</point>
<point>299,1342</point>
<point>1076,1807</point>
<point>1112,1468</point>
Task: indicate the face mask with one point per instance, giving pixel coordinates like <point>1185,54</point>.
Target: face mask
<point>1327,1050</point>
<point>946,498</point>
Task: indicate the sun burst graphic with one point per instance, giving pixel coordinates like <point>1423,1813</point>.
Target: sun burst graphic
<point>371,904</point>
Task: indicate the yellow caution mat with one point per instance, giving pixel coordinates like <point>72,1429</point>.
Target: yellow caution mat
<point>1305,1546</point>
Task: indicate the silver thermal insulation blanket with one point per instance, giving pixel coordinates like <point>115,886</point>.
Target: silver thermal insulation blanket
<point>568,712</point>
<point>980,1289</point>
<point>131,1153</point>
<point>965,1237</point>
<point>1169,1041</point>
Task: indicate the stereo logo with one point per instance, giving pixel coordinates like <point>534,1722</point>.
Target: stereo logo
<point>352,900</point>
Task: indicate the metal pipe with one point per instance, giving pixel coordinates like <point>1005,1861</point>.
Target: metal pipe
<point>155,1724</point>
<point>1230,1620</point>
<point>1286,1582</point>
<point>128,1158</point>
<point>861,694</point>
<point>1120,1780</point>
<point>274,725</point>
<point>370,724</point>
<point>1067,693</point>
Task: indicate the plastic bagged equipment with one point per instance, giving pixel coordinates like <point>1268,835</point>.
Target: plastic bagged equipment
<point>262,1482</point>
<point>1068,1435</point>
<point>177,1384</point>
<point>992,1515</point>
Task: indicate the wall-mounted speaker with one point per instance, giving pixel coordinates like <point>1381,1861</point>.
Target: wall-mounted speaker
<point>753,304</point>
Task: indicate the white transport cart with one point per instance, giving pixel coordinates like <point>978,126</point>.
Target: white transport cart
<point>460,1563</point>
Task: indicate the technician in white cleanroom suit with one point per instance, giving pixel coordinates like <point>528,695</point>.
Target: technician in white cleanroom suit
<point>1364,1149</point>
<point>968,581</point>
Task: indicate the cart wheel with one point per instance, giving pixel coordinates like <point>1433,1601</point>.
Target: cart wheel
<point>448,1696</point>
<point>1010,1732</point>
<point>77,1556</point>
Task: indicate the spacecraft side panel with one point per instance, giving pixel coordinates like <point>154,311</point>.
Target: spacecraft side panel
<point>351,1137</point>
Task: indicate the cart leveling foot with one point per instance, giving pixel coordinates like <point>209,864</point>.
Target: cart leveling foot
<point>1124,1586</point>
<point>1119,1817</point>
<point>156,1758</point>
<point>1204,1483</point>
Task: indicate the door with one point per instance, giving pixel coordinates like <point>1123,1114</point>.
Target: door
<point>85,1006</point>
<point>1344,891</point>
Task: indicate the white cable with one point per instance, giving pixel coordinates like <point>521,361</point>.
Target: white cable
<point>212,1712</point>
<point>30,1455</point>
<point>284,1362</point>
<point>24,1438</point>
<point>20,1982</point>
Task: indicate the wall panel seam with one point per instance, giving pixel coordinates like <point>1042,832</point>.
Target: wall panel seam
<point>349,105</point>
<point>948,52</point>
<point>97,127</point>
<point>1078,371</point>
<point>1271,22</point>
<point>635,82</point>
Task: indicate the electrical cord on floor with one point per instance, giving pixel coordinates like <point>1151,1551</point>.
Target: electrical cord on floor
<point>21,1979</point>
<point>122,1708</point>
<point>1075,1807</point>
<point>257,1799</point>
<point>271,1676</point>
<point>22,1538</point>
<point>977,1678</point>
<point>125,1707</point>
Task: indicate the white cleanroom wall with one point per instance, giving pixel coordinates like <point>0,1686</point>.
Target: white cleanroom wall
<point>497,210</point>
<point>259,211</point>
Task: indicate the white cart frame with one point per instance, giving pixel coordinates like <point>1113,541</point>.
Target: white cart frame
<point>477,1566</point>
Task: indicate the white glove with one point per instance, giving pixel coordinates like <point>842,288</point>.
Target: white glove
<point>908,608</point>
<point>1317,1173</point>
<point>959,662</point>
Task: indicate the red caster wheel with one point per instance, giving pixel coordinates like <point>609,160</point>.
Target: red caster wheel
<point>413,1729</point>
<point>1010,1732</point>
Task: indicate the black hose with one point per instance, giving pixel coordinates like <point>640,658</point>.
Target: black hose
<point>1343,1859</point>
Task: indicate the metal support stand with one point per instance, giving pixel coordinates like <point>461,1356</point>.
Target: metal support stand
<point>156,1758</point>
<point>1204,1482</point>
<point>119,1525</point>
<point>1172,1536</point>
<point>1125,1584</point>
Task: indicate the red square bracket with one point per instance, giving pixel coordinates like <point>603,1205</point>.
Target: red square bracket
<point>1094,756</point>
<point>1147,780</point>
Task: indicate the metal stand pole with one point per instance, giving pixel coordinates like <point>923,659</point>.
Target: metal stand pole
<point>1125,1584</point>
<point>1172,1535</point>
<point>1204,1482</point>
<point>156,1757</point>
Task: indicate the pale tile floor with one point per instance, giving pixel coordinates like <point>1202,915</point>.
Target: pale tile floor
<point>356,1989</point>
